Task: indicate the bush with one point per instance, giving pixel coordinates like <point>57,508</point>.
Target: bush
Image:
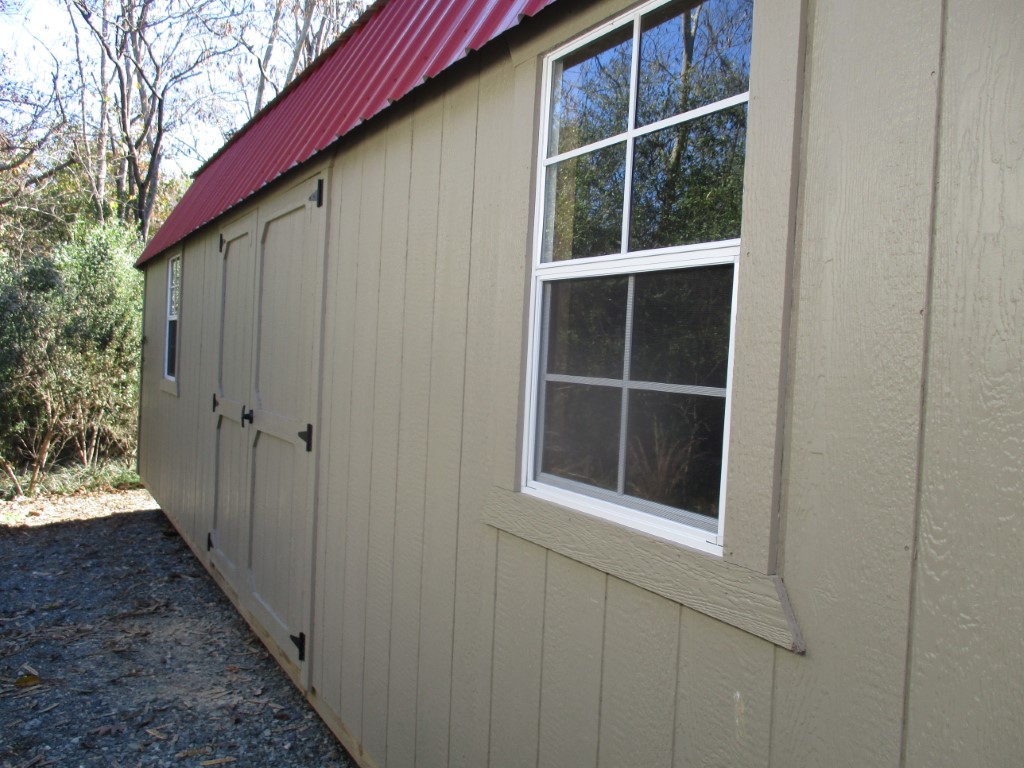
<point>70,329</point>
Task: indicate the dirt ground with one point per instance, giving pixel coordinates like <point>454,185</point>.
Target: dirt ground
<point>118,650</point>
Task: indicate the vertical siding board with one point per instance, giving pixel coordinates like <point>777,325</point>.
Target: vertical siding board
<point>361,435</point>
<point>570,705</point>
<point>724,698</point>
<point>387,402</point>
<point>188,359</point>
<point>511,300</point>
<point>851,451</point>
<point>444,450</point>
<point>477,543</point>
<point>206,421</point>
<point>337,385</point>
<point>417,330</point>
<point>518,643</point>
<point>966,685</point>
<point>638,689</point>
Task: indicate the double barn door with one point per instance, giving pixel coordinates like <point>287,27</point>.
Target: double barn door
<point>264,408</point>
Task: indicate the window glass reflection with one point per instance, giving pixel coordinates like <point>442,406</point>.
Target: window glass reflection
<point>689,58</point>
<point>688,182</point>
<point>590,93</point>
<point>584,205</point>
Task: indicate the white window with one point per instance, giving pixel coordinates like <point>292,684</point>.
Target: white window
<point>173,310</point>
<point>634,276</point>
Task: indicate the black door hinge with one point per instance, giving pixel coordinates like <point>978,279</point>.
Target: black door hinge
<point>220,247</point>
<point>300,643</point>
<point>209,541</point>
<point>308,437</point>
<point>246,415</point>
<point>318,196</point>
<point>216,402</point>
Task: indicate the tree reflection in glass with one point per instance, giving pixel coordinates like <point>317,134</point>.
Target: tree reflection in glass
<point>692,58</point>
<point>590,94</point>
<point>584,204</point>
<point>688,182</point>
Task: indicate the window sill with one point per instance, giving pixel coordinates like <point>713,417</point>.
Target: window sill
<point>170,386</point>
<point>658,527</point>
<point>751,601</point>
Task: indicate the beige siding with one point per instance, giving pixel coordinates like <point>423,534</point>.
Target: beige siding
<point>857,352</point>
<point>330,616</point>
<point>458,622</point>
<point>417,334</point>
<point>966,695</point>
<point>361,437</point>
<point>386,416</point>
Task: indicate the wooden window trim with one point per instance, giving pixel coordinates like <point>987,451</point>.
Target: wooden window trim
<point>744,586</point>
<point>169,383</point>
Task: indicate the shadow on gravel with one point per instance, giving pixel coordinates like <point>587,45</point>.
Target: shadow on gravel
<point>118,650</point>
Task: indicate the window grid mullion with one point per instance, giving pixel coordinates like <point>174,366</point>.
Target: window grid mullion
<point>542,388</point>
<point>627,192</point>
<point>632,132</point>
<point>624,408</point>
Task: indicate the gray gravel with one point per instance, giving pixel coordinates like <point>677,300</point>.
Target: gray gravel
<point>118,650</point>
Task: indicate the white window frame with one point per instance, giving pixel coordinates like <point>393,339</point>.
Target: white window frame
<point>623,263</point>
<point>170,315</point>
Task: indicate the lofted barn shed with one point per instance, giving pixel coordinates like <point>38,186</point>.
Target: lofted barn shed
<point>618,384</point>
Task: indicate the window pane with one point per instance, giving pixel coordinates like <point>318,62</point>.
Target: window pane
<point>587,326</point>
<point>681,323</point>
<point>175,290</point>
<point>688,182</point>
<point>689,58</point>
<point>584,205</point>
<point>581,433</point>
<point>674,450</point>
<point>172,348</point>
<point>590,93</point>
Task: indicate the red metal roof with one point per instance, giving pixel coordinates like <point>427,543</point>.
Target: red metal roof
<point>395,47</point>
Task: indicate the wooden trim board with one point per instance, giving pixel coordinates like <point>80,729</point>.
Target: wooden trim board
<point>748,600</point>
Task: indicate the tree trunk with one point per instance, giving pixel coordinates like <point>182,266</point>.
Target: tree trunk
<point>9,470</point>
<point>40,459</point>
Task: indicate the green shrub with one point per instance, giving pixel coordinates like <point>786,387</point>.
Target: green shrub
<point>70,327</point>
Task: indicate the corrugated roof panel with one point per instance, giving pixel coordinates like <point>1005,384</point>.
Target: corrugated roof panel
<point>397,46</point>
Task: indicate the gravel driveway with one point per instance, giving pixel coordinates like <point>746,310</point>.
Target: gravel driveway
<point>118,650</point>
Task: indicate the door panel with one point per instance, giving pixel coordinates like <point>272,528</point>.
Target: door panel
<point>234,373</point>
<point>285,379</point>
<point>267,382</point>
<point>279,572</point>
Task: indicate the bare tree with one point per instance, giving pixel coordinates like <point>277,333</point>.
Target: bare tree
<point>280,39</point>
<point>139,63</point>
<point>32,133</point>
